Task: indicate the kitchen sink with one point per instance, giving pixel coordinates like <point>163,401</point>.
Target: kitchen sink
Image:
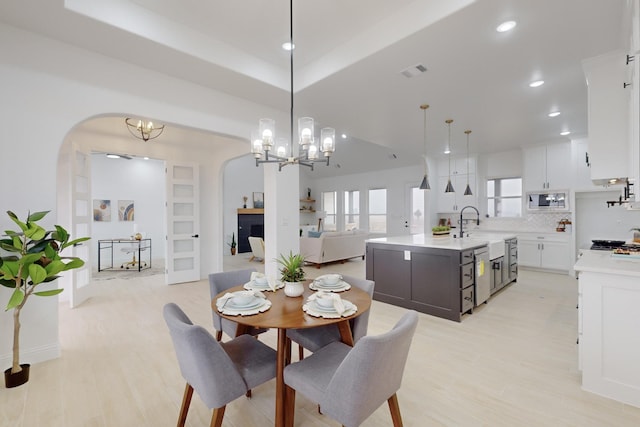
<point>496,244</point>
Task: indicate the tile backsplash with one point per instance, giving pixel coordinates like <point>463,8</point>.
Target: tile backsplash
<point>538,222</point>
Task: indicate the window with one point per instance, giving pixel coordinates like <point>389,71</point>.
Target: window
<point>351,210</point>
<point>417,211</point>
<point>330,210</point>
<point>504,197</point>
<point>378,210</point>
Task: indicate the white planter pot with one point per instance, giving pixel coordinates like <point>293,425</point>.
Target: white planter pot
<point>293,289</point>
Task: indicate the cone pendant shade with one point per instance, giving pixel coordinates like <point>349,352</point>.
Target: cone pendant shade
<point>449,188</point>
<point>467,191</point>
<point>425,183</point>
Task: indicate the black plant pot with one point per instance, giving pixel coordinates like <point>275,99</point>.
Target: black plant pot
<point>17,379</point>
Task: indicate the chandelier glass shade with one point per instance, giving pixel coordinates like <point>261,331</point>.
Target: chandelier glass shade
<point>144,130</point>
<point>267,149</point>
<point>424,185</point>
<point>449,188</point>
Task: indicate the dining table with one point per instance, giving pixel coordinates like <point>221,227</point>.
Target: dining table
<point>287,313</point>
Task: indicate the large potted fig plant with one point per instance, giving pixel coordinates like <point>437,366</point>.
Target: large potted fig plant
<point>30,257</point>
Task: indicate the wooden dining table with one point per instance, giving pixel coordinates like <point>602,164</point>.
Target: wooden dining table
<point>286,313</point>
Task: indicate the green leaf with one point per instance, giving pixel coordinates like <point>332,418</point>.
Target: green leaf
<point>8,283</point>
<point>9,269</point>
<point>16,299</point>
<point>35,232</point>
<point>74,263</point>
<point>30,258</point>
<point>9,246</point>
<point>37,273</point>
<point>55,267</point>
<point>15,219</point>
<point>37,216</point>
<point>61,234</point>
<point>50,293</point>
<point>73,242</point>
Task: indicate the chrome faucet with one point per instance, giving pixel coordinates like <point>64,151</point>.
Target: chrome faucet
<point>477,219</point>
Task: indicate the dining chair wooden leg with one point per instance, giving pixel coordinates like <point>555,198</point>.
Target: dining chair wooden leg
<point>287,351</point>
<point>300,352</point>
<point>218,335</point>
<point>394,408</point>
<point>186,401</point>
<point>216,418</point>
<point>289,405</point>
<point>248,394</point>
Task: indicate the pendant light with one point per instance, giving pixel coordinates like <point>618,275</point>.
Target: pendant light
<point>425,180</point>
<point>449,188</point>
<point>467,191</point>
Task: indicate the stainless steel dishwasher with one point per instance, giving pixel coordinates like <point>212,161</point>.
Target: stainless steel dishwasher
<point>482,274</point>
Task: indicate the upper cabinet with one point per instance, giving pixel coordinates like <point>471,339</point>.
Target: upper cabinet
<point>608,114</point>
<point>546,167</point>
<point>453,202</point>
<point>458,166</point>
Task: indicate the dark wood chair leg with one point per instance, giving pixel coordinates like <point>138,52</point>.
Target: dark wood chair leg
<point>216,418</point>
<point>248,394</point>
<point>218,335</point>
<point>394,408</point>
<point>289,405</point>
<point>186,401</point>
<point>300,352</point>
<point>287,352</point>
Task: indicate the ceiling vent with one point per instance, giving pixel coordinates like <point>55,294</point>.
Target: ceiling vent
<point>413,71</point>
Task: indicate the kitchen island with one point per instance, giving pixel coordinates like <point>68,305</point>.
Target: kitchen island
<point>608,325</point>
<point>433,275</point>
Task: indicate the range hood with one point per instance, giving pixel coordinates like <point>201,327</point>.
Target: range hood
<point>610,181</point>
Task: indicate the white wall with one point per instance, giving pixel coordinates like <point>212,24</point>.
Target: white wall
<point>47,88</point>
<point>136,179</point>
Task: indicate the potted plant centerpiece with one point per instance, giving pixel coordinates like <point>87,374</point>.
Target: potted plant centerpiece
<point>30,257</point>
<point>292,274</point>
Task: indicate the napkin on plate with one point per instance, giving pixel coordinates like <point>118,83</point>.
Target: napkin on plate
<point>338,305</point>
<point>228,295</point>
<point>271,282</point>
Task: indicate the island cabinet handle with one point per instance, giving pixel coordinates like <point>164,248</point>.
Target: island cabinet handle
<point>468,275</point>
<point>467,298</point>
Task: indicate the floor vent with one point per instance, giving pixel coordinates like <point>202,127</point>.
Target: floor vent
<point>413,71</point>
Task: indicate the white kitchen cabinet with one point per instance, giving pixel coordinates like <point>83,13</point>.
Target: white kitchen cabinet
<point>453,202</point>
<point>582,176</point>
<point>458,166</point>
<point>608,115</point>
<point>545,167</point>
<point>544,251</point>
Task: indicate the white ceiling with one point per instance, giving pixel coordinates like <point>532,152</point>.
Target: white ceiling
<point>349,56</point>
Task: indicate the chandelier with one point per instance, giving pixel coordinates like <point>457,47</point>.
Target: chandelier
<point>143,130</point>
<point>267,149</point>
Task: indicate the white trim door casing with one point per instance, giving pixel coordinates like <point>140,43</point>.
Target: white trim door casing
<point>183,223</point>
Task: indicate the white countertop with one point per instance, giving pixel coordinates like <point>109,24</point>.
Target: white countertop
<point>603,262</point>
<point>428,241</point>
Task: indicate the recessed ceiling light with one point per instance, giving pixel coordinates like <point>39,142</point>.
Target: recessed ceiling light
<point>565,133</point>
<point>506,26</point>
<point>344,136</point>
<point>554,114</point>
<point>536,83</point>
<point>447,150</point>
<point>146,158</point>
<point>113,156</point>
<point>288,46</point>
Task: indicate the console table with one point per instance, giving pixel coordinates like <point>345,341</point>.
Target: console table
<point>137,246</point>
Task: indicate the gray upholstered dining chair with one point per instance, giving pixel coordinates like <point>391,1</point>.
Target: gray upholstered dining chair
<point>218,372</point>
<point>219,282</point>
<point>315,338</point>
<point>349,383</point>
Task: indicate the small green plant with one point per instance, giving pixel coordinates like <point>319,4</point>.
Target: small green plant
<point>34,258</point>
<point>233,241</point>
<point>292,267</point>
<point>440,228</point>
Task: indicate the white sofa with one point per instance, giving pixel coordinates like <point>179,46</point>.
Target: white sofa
<point>333,246</point>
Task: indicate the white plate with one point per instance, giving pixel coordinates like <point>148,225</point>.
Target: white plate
<point>253,286</point>
<point>230,310</point>
<point>312,309</point>
<point>232,305</point>
<point>343,286</point>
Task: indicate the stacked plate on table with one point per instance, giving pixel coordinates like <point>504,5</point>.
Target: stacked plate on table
<point>259,285</point>
<point>328,309</point>
<point>242,303</point>
<point>330,283</point>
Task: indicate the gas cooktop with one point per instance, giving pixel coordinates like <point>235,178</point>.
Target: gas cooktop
<point>606,245</point>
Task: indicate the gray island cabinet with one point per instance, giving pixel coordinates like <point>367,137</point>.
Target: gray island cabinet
<point>430,275</point>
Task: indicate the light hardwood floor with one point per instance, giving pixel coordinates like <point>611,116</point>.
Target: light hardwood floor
<point>512,363</point>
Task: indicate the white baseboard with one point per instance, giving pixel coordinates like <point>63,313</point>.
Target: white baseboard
<point>32,355</point>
